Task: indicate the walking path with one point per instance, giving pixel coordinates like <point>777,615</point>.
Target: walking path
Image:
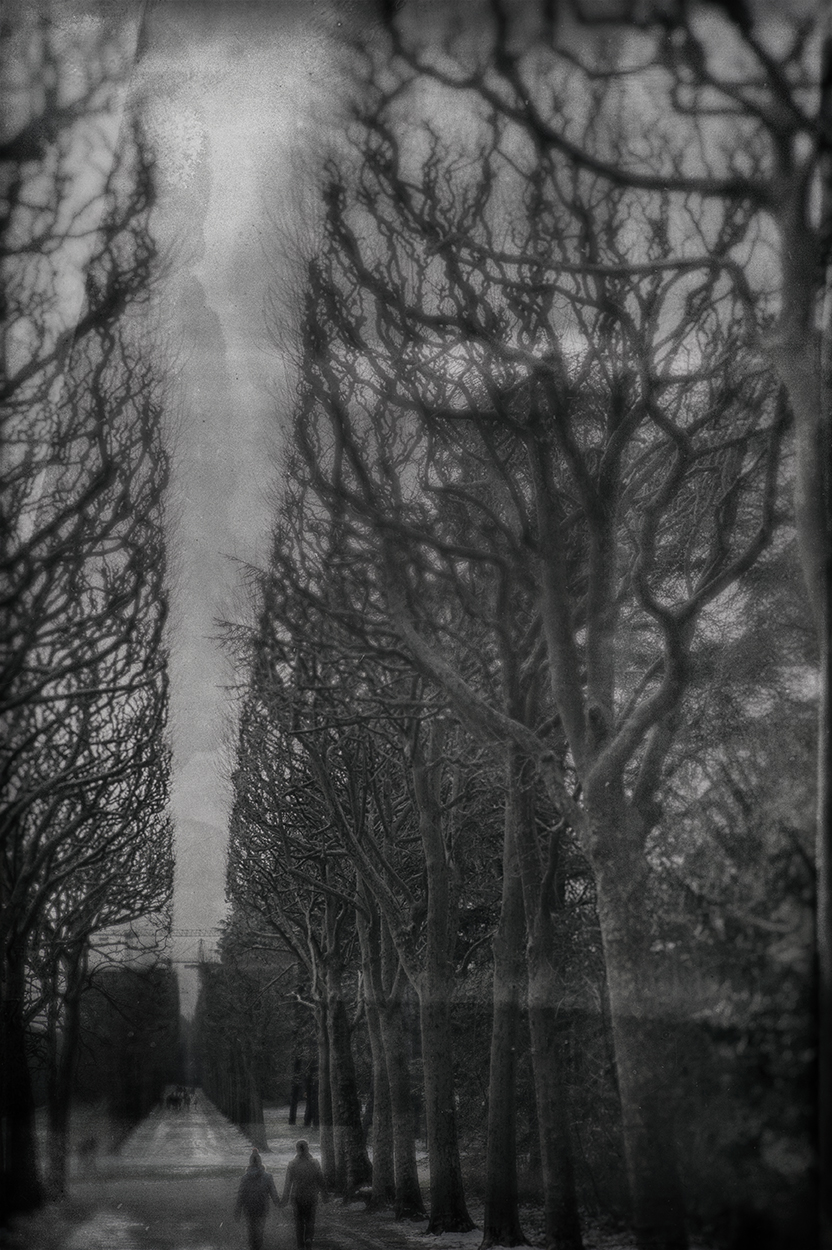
<point>187,1142</point>
<point>173,1183</point>
<point>172,1186</point>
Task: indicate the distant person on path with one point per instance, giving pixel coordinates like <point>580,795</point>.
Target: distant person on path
<point>256,1188</point>
<point>304,1181</point>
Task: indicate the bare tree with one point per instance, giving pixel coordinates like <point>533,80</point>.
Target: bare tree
<point>240,1022</point>
<point>740,104</point>
<point>335,711</point>
<point>284,867</point>
<point>636,434</point>
<point>132,882</point>
<point>83,681</point>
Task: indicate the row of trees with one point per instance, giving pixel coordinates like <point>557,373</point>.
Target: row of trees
<point>532,635</point>
<point>130,1046</point>
<point>86,842</point>
<point>243,1041</point>
<point>739,108</point>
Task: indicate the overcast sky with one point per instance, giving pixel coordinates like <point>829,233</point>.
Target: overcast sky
<point>232,92</point>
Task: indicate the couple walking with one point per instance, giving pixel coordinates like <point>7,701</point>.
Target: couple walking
<point>304,1181</point>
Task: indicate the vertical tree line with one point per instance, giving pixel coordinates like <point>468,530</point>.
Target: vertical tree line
<point>86,838</point>
<point>738,98</point>
<point>531,601</point>
<point>242,1040</point>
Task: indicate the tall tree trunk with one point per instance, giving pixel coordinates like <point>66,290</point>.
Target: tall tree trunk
<point>253,1125</point>
<point>448,1212</point>
<point>353,1167</point>
<point>328,1159</point>
<point>311,1116</point>
<point>384,1185</point>
<point>544,960</point>
<point>385,980</point>
<point>236,1091</point>
<point>339,1149</point>
<point>501,1220</point>
<point>294,1096</point>
<point>637,1014</point>
<point>615,844</point>
<point>823,831</point>
<point>62,1065</point>
<point>408,1202</point>
<point>548,1045</point>
<point>21,1187</point>
<point>803,357</point>
<point>823,865</point>
<point>384,1182</point>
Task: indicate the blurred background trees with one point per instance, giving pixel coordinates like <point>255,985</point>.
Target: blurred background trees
<point>242,1031</point>
<point>129,1044</point>
<point>86,841</point>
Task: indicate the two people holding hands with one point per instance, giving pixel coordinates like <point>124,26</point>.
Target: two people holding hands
<point>304,1181</point>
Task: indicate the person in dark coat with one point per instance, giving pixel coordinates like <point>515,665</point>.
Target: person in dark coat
<point>256,1188</point>
<point>304,1181</point>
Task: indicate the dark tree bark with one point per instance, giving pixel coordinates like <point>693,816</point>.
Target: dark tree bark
<point>448,1212</point>
<point>501,1220</point>
<point>329,1161</point>
<point>83,676</point>
<point>408,1202</point>
<point>384,1181</point>
<point>251,1116</point>
<point>297,1083</point>
<point>644,1067</point>
<point>310,1110</point>
<point>63,1044</point>
<point>353,1167</point>
<point>778,104</point>
<point>545,990</point>
<point>382,969</point>
<point>21,1187</point>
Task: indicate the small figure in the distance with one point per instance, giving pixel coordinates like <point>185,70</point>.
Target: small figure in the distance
<point>304,1181</point>
<point>256,1188</point>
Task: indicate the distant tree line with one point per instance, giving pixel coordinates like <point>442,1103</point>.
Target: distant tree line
<point>242,1030</point>
<point>85,837</point>
<point>130,1044</point>
<point>529,732</point>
